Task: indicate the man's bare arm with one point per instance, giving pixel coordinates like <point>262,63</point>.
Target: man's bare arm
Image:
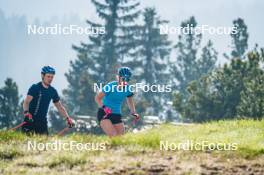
<point>27,102</point>
<point>61,109</point>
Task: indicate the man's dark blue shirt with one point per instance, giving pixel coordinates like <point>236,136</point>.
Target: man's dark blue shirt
<point>42,96</point>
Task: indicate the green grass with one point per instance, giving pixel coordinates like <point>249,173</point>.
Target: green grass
<point>134,152</point>
<point>247,134</point>
<point>69,160</point>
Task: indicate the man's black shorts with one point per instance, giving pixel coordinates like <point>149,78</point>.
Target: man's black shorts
<point>36,128</point>
<point>114,118</point>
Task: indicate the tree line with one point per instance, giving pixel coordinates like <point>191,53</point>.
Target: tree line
<point>202,90</point>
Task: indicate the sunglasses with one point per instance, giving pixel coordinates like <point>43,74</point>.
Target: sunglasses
<point>125,79</point>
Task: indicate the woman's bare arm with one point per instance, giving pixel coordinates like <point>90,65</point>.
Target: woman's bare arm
<point>131,105</point>
<point>98,98</point>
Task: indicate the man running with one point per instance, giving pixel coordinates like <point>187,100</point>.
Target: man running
<point>37,102</point>
<point>110,100</point>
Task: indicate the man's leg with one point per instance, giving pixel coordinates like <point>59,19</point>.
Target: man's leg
<point>41,128</point>
<point>28,128</point>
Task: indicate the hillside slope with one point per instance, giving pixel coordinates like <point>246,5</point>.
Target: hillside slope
<point>166,149</point>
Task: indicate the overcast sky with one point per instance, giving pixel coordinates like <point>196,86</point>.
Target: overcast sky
<point>209,12</point>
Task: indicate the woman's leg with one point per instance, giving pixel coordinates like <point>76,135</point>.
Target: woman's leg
<point>108,127</point>
<point>105,123</point>
<point>120,129</point>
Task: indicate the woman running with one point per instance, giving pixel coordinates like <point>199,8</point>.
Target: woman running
<point>110,100</point>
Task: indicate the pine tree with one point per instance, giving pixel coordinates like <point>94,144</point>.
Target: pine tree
<point>235,90</point>
<point>185,67</point>
<point>188,66</point>
<point>151,58</point>
<point>239,39</point>
<point>99,58</point>
<point>208,59</point>
<point>107,51</point>
<point>80,93</point>
<point>252,98</point>
<point>10,109</point>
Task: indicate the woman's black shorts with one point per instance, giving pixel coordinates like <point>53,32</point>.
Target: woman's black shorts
<point>114,118</point>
